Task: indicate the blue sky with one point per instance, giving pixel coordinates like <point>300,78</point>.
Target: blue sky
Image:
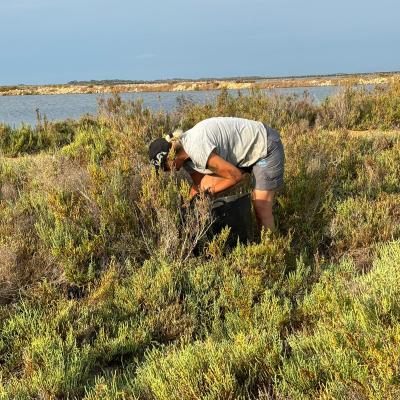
<point>56,41</point>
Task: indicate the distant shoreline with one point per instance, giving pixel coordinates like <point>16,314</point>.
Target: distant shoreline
<point>201,85</point>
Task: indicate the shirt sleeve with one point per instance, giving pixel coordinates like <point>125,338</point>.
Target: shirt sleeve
<point>203,147</point>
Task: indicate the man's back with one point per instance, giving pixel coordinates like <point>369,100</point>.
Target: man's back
<point>240,141</point>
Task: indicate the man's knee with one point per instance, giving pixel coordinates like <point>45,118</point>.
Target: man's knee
<point>263,199</point>
<point>262,208</point>
<point>263,202</point>
<point>266,195</point>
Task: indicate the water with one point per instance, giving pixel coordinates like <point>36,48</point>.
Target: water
<point>15,110</point>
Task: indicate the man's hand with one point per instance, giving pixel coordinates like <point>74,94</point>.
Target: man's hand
<point>197,178</point>
<point>193,191</point>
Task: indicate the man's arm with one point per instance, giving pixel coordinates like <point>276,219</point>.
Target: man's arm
<point>228,174</point>
<point>197,178</point>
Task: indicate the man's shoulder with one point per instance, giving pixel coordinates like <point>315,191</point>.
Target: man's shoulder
<point>216,125</point>
<point>198,129</point>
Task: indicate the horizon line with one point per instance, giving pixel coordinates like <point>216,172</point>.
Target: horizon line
<point>244,77</point>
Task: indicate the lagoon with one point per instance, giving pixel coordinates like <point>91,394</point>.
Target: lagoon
<point>15,110</point>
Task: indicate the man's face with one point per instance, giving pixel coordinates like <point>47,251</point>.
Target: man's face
<point>173,164</point>
<point>169,165</point>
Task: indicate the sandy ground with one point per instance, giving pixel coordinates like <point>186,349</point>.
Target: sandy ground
<point>371,79</point>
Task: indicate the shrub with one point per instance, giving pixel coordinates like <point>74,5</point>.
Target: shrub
<point>28,140</point>
<point>103,296</point>
<point>360,222</point>
<point>349,350</point>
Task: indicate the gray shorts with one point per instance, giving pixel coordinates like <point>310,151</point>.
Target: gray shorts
<point>268,172</point>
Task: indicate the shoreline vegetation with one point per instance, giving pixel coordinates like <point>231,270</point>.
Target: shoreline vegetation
<point>176,85</point>
<point>101,296</point>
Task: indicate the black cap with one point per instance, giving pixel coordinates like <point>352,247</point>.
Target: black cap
<point>158,152</point>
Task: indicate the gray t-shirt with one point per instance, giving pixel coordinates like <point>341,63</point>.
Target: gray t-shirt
<point>240,141</point>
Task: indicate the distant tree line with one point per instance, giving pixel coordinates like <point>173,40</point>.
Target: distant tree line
<point>232,78</point>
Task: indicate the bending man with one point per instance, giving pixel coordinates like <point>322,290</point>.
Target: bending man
<point>217,151</point>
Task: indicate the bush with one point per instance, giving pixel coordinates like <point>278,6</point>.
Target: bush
<point>349,349</point>
<point>360,222</point>
<point>28,140</point>
<point>102,295</point>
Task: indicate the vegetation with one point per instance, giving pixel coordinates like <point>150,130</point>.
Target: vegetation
<point>231,78</point>
<point>103,298</point>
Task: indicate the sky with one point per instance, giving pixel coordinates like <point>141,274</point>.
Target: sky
<point>57,41</point>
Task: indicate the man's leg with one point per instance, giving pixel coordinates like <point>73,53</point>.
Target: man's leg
<point>263,202</point>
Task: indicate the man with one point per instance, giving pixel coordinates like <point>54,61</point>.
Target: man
<point>217,151</point>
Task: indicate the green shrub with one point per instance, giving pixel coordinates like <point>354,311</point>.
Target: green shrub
<point>101,295</point>
<point>232,369</point>
<point>360,222</point>
<point>349,349</point>
<point>356,108</point>
<point>27,140</point>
